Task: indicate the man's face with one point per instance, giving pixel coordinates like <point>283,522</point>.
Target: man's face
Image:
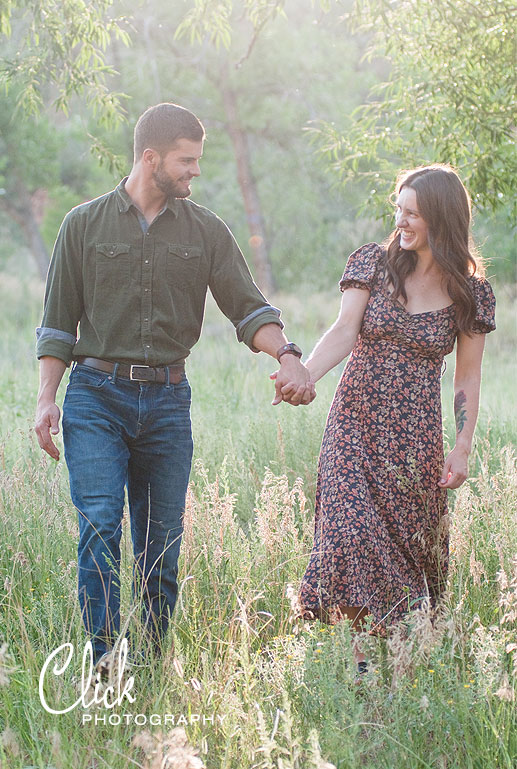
<point>177,168</point>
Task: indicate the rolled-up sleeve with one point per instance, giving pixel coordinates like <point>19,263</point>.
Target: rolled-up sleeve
<point>63,307</point>
<point>234,290</point>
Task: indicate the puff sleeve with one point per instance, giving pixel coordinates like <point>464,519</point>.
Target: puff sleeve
<point>484,322</point>
<point>361,267</point>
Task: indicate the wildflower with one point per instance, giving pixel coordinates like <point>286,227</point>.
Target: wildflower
<point>430,670</point>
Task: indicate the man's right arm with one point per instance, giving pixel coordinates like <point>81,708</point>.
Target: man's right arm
<point>47,412</point>
<point>56,337</point>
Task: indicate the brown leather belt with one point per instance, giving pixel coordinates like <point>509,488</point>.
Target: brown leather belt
<point>137,372</point>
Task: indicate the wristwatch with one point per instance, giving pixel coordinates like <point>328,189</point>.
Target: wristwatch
<point>291,349</point>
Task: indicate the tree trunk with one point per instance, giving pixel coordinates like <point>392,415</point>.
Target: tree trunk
<point>25,209</point>
<point>258,241</point>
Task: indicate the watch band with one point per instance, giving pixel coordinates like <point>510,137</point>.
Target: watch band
<point>290,349</point>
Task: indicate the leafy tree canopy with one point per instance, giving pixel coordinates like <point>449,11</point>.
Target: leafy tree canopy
<point>60,45</point>
<point>450,97</point>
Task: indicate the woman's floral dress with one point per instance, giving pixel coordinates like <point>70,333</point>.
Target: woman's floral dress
<point>381,539</point>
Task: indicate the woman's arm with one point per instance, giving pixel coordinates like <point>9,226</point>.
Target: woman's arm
<point>338,341</point>
<point>467,381</point>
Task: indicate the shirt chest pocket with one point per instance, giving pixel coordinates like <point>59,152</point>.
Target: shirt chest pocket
<point>112,264</point>
<point>183,263</point>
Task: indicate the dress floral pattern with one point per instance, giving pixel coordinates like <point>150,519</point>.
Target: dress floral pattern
<point>381,539</point>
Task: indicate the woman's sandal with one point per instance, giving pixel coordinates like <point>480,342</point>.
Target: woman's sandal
<point>362,670</point>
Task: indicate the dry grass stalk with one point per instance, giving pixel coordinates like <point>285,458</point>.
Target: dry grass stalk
<point>410,642</point>
<point>315,753</point>
<point>508,595</point>
<point>277,511</point>
<point>9,742</point>
<point>210,520</point>
<point>505,691</point>
<point>168,751</point>
<point>5,665</point>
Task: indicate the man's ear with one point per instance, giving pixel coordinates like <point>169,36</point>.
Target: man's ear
<point>150,157</point>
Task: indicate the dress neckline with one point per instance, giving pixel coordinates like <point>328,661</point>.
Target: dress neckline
<point>401,307</point>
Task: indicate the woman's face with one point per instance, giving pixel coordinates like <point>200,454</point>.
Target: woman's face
<point>413,229</point>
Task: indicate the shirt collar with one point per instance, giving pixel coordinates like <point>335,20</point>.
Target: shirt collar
<point>125,202</point>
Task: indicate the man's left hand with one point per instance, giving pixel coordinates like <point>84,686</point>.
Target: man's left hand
<point>293,382</point>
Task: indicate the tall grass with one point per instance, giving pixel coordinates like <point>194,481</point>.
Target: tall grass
<point>269,691</point>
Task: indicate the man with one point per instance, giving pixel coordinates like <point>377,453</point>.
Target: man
<point>131,270</point>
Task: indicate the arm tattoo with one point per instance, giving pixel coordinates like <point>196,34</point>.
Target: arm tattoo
<point>460,414</point>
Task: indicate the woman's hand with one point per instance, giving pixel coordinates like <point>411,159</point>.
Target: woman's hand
<point>455,469</point>
<point>292,393</point>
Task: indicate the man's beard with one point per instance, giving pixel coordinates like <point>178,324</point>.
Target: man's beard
<point>166,185</point>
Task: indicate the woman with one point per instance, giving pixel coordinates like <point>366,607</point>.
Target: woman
<point>381,542</point>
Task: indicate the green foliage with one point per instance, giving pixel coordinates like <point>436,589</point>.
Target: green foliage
<point>28,150</point>
<point>300,66</point>
<point>61,43</point>
<point>215,21</point>
<point>288,63</point>
<point>450,97</point>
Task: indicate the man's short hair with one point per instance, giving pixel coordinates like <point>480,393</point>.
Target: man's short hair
<point>161,126</point>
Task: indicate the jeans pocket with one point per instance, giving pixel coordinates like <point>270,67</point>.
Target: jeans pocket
<point>84,376</point>
<point>181,392</point>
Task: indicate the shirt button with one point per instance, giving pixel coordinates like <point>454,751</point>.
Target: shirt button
<point>147,261</point>
<point>146,320</point>
<point>148,346</point>
<point>146,290</point>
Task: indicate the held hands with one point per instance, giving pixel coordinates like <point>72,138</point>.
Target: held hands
<point>47,424</point>
<point>455,469</point>
<point>293,383</point>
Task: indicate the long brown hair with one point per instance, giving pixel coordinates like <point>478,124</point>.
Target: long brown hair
<point>444,204</point>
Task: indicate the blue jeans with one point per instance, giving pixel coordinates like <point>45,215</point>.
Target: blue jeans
<point>120,433</point>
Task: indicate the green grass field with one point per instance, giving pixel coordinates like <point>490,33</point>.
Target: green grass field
<point>251,688</point>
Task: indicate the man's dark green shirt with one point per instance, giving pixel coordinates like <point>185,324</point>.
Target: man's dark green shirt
<point>137,292</point>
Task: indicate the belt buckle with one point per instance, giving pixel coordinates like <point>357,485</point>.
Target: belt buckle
<point>140,379</point>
